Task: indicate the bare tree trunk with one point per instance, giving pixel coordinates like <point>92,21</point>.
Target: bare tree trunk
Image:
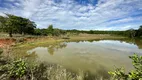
<point>10,34</point>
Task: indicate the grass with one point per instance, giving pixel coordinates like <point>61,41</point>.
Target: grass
<point>6,35</point>
<point>95,36</point>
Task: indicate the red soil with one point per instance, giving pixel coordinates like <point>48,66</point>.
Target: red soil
<point>5,42</point>
<point>10,42</point>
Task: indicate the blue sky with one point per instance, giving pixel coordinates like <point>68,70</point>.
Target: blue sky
<point>78,14</point>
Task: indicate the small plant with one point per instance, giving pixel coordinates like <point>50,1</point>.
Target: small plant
<point>136,74</point>
<point>18,68</point>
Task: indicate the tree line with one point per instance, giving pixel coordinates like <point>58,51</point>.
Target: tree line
<point>49,31</point>
<point>16,24</point>
<point>128,33</point>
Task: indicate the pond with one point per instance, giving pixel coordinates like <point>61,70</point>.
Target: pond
<point>96,56</point>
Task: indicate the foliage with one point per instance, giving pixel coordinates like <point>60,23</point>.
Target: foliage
<point>136,74</point>
<point>13,70</point>
<point>139,32</point>
<point>50,30</point>
<point>8,24</point>
<point>18,68</point>
<point>15,24</point>
<point>58,32</point>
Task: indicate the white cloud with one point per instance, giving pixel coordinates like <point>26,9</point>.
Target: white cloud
<point>68,14</point>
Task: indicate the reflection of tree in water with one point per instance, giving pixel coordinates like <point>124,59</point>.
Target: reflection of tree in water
<point>96,40</point>
<point>91,41</point>
<point>52,48</point>
<point>139,43</point>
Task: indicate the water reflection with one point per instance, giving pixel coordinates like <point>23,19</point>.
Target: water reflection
<point>54,47</point>
<point>137,42</point>
<point>96,57</point>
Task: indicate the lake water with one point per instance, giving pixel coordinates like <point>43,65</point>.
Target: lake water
<point>95,57</point>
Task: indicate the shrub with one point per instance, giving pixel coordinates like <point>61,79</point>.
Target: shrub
<point>136,74</point>
<point>18,68</point>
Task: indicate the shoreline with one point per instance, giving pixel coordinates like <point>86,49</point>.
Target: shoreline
<point>47,39</point>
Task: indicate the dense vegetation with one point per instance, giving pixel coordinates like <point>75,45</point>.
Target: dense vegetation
<point>15,24</point>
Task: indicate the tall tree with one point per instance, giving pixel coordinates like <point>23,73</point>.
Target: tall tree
<point>2,23</point>
<point>131,33</point>
<point>8,23</point>
<point>29,27</point>
<point>50,29</point>
<point>15,24</point>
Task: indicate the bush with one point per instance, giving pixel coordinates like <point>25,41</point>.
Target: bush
<point>136,74</point>
<point>18,68</point>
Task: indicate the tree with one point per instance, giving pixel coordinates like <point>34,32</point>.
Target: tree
<point>91,32</point>
<point>58,32</point>
<point>139,32</point>
<point>9,24</point>
<point>22,24</point>
<point>15,24</point>
<point>2,22</point>
<point>50,29</point>
<point>29,27</point>
<point>25,25</point>
<point>37,31</point>
<point>131,33</point>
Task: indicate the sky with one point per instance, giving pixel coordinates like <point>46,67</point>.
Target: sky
<point>78,14</point>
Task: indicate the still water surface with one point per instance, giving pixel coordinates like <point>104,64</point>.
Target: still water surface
<point>96,57</point>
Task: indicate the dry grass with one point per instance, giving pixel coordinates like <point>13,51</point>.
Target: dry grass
<point>95,36</point>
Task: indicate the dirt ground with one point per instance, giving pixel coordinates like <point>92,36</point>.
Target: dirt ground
<point>5,42</point>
